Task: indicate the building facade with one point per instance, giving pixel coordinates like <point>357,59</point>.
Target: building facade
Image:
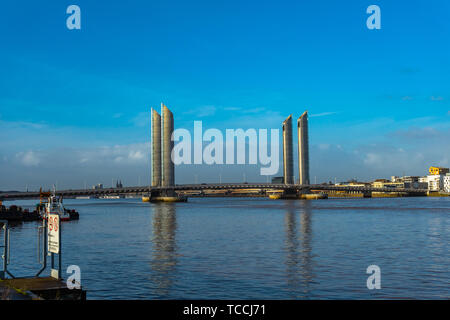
<point>438,171</point>
<point>447,182</point>
<point>436,182</point>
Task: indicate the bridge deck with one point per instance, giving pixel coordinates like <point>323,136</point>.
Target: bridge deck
<point>223,186</point>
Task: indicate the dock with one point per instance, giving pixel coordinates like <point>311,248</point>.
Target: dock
<point>38,288</point>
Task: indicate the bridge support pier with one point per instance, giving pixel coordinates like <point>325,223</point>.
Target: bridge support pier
<point>164,195</point>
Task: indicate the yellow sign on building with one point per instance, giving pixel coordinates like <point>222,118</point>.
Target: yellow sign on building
<point>438,170</point>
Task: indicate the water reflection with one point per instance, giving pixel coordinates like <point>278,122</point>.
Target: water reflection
<point>164,246</point>
<point>298,249</point>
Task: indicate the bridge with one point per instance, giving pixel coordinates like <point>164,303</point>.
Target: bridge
<point>163,173</point>
<point>263,187</point>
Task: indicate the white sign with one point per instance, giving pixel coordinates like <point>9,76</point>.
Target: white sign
<point>53,225</point>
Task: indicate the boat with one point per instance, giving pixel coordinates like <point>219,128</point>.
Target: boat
<point>15,213</point>
<point>110,197</point>
<point>54,206</point>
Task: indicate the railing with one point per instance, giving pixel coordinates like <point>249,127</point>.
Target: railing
<point>6,246</point>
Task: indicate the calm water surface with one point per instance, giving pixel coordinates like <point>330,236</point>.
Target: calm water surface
<point>243,248</point>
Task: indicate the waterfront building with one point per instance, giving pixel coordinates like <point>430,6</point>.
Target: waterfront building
<point>436,182</point>
<point>288,160</point>
<point>303,149</point>
<point>414,182</point>
<point>409,182</point>
<point>383,183</point>
<point>424,179</point>
<point>438,171</point>
<point>447,182</point>
<point>354,183</point>
<point>379,183</point>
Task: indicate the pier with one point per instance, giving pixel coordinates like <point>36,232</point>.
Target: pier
<point>38,288</point>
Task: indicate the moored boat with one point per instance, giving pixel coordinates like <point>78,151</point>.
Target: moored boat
<point>54,206</point>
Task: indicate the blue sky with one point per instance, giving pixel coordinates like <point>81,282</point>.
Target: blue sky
<point>74,104</point>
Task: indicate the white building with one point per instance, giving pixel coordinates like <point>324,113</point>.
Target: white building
<point>423,179</point>
<point>436,182</point>
<point>447,182</point>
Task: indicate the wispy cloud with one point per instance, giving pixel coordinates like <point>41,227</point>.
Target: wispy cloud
<point>124,154</point>
<point>142,119</point>
<point>203,111</point>
<point>407,98</point>
<point>417,133</point>
<point>22,125</point>
<point>323,114</point>
<point>438,98</point>
<point>231,108</point>
<point>28,159</point>
<point>254,110</point>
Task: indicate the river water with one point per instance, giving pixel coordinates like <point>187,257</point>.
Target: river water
<point>251,248</point>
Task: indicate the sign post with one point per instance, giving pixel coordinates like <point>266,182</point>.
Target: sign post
<point>54,242</point>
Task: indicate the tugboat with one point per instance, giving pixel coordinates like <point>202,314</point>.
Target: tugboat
<point>54,206</point>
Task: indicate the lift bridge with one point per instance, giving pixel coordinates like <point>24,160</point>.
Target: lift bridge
<point>163,171</point>
<point>263,188</point>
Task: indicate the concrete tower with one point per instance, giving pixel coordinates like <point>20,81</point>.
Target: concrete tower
<point>303,149</point>
<point>288,161</point>
<point>156,148</point>
<point>168,167</point>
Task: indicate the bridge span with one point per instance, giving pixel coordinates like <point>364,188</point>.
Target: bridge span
<point>264,187</point>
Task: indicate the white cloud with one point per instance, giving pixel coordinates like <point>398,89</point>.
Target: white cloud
<point>231,108</point>
<point>136,155</point>
<point>323,114</point>
<point>324,146</point>
<point>203,111</point>
<point>373,159</point>
<point>417,133</point>
<point>124,154</point>
<point>29,158</point>
<point>142,119</point>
